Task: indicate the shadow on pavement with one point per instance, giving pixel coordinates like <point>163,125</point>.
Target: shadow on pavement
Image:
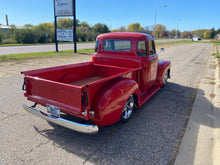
<point>152,136</point>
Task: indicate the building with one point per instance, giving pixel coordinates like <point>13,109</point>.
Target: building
<point>5,28</point>
<point>217,36</point>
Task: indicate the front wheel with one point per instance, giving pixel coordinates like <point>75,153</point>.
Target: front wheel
<point>165,79</point>
<point>128,109</point>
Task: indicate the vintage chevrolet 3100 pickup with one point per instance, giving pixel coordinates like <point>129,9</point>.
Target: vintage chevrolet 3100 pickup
<point>124,73</point>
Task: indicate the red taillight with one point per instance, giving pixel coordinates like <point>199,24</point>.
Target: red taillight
<point>25,94</point>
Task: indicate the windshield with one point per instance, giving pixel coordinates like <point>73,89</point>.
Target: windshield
<point>97,46</point>
<point>117,45</point>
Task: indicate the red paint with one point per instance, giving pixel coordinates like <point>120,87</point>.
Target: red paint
<point>120,74</point>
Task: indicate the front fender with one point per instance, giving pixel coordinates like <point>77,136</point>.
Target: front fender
<point>163,67</point>
<point>110,100</point>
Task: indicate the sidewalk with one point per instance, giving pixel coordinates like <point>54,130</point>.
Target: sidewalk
<point>201,141</point>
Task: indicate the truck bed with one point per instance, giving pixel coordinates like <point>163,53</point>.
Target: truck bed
<point>64,86</point>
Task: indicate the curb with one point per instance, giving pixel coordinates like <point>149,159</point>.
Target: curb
<point>216,102</point>
<point>200,144</point>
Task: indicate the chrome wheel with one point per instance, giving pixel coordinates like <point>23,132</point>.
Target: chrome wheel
<point>165,79</point>
<point>128,109</point>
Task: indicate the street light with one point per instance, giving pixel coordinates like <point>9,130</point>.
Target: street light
<point>156,18</point>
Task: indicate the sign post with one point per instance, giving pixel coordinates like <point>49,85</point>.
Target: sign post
<point>74,25</point>
<point>64,8</point>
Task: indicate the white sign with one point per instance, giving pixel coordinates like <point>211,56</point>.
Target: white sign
<point>65,35</point>
<point>64,7</point>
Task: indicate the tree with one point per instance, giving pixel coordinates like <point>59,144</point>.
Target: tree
<point>186,34</point>
<point>114,30</point>
<point>45,32</point>
<point>25,36</point>
<point>212,33</point>
<point>101,28</point>
<point>164,34</point>
<point>159,30</point>
<point>1,37</point>
<point>205,35</point>
<point>122,29</point>
<point>28,25</point>
<point>172,33</point>
<point>148,29</point>
<point>135,27</point>
<point>66,23</point>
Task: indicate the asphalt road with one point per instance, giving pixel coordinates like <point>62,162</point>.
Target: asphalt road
<point>5,50</point>
<point>151,137</point>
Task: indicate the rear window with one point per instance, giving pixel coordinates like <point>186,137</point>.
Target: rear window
<point>117,45</point>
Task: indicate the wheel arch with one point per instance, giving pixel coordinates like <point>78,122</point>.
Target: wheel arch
<point>163,68</point>
<point>110,100</point>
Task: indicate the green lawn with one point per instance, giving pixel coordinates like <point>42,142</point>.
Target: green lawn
<point>20,44</point>
<point>71,52</point>
<point>45,54</point>
<point>172,42</point>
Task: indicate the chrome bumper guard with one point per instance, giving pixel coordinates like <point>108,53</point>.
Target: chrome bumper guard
<point>83,128</point>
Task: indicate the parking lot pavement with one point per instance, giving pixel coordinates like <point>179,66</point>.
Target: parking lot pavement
<point>152,136</point>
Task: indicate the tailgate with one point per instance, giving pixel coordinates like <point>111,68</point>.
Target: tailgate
<point>65,96</point>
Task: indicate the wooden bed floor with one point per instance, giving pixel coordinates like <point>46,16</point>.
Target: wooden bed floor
<point>86,81</point>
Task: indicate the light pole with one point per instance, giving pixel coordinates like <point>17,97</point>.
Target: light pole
<point>156,18</point>
<point>177,28</point>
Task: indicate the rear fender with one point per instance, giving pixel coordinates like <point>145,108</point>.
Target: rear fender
<point>110,100</point>
<point>163,68</point>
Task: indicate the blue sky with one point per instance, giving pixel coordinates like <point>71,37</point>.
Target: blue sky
<point>184,14</point>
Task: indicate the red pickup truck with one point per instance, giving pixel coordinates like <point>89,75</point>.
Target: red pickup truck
<point>124,73</point>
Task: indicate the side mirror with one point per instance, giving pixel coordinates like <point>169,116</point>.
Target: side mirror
<point>161,50</point>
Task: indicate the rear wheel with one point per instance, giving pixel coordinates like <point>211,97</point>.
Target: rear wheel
<point>128,109</point>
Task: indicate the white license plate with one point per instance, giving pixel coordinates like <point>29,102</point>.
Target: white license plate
<point>54,111</point>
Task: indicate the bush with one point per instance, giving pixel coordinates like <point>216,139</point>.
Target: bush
<point>9,41</point>
<point>1,38</point>
<point>25,36</point>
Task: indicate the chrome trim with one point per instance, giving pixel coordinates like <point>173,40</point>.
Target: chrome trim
<point>84,113</point>
<point>84,128</point>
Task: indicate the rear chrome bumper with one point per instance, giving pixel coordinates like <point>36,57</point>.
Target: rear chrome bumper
<point>84,128</point>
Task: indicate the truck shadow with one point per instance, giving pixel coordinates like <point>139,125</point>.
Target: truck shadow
<point>152,136</point>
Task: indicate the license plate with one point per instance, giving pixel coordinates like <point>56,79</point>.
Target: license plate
<point>54,111</point>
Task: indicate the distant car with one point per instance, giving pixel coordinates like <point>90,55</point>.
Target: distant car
<point>196,38</point>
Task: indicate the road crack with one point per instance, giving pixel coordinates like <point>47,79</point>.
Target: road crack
<point>9,116</point>
<point>29,152</point>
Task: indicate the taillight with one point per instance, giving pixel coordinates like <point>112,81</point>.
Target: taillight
<point>25,94</point>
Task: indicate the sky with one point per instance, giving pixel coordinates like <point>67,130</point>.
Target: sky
<point>184,15</point>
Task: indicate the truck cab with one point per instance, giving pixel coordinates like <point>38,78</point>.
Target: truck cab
<point>131,50</point>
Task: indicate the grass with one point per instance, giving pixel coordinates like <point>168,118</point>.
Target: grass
<point>68,52</point>
<point>20,44</point>
<point>172,42</point>
<point>217,42</point>
<point>45,54</point>
<point>217,55</point>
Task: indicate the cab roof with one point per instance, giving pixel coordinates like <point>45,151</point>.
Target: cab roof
<point>127,35</point>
